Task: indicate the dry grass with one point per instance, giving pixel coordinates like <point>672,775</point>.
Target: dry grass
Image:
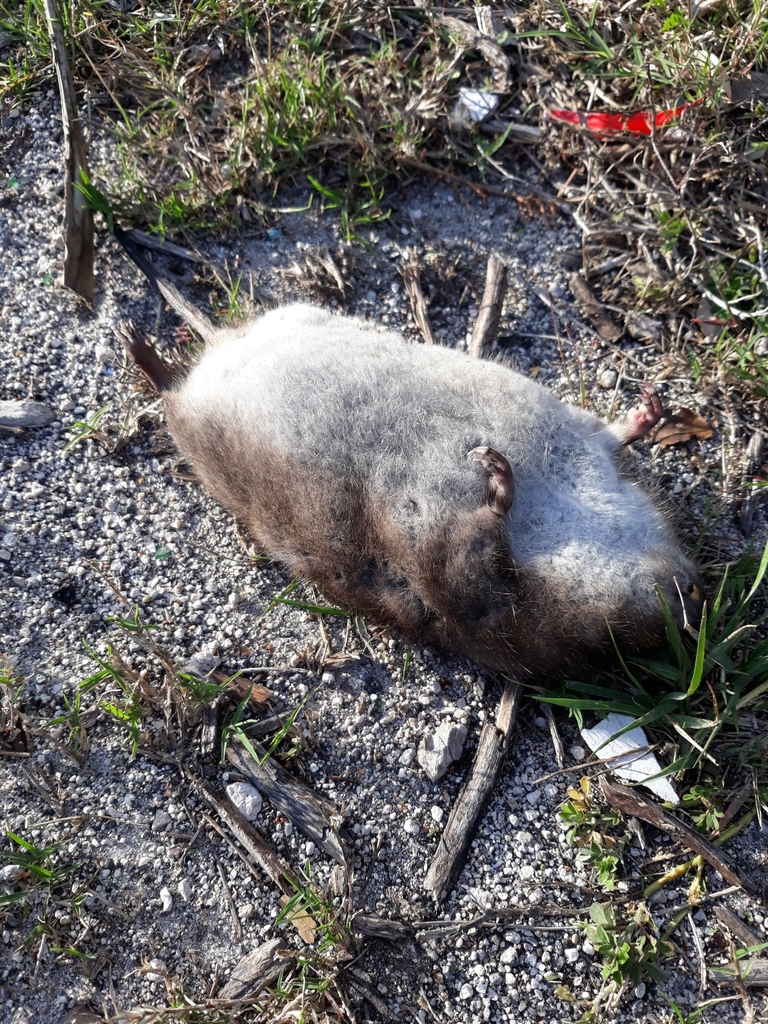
<point>216,105</point>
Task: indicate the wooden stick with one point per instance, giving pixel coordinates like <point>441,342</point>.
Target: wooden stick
<point>753,458</point>
<point>630,801</point>
<point>474,797</point>
<point>78,217</point>
<point>740,929</point>
<point>270,863</point>
<point>409,271</point>
<point>592,309</point>
<point>209,732</point>
<point>488,318</point>
<point>315,815</point>
<point>381,927</point>
<point>236,923</point>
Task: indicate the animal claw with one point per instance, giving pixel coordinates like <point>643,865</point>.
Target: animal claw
<point>500,485</point>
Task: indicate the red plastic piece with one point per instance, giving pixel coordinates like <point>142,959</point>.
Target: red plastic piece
<point>614,124</point>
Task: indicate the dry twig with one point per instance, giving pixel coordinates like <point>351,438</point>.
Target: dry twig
<point>487,326</point>
<point>474,797</point>
<point>630,801</point>
<point>409,271</point>
<point>78,217</point>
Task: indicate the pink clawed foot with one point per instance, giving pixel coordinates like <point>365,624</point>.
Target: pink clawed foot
<point>640,421</point>
<point>500,486</point>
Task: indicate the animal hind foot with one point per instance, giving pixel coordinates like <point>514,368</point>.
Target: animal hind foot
<point>499,485</point>
<point>145,357</point>
<point>640,421</point>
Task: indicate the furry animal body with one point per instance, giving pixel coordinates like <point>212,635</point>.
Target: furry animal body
<point>449,497</point>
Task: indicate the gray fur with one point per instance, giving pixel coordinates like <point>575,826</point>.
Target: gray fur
<point>373,436</point>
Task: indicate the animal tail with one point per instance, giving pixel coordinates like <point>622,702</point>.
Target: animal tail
<point>145,357</point>
<point>207,330</point>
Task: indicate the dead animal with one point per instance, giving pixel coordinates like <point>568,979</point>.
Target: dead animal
<point>446,496</point>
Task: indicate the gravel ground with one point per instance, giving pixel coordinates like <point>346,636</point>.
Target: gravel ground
<point>84,532</point>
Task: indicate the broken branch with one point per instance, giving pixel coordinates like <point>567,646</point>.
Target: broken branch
<point>465,816</point>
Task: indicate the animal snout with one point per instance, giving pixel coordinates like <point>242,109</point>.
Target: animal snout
<point>683,594</point>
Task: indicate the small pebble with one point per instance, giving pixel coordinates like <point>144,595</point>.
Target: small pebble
<point>185,889</point>
<point>166,900</point>
<point>411,826</point>
<point>160,820</point>
<point>154,975</point>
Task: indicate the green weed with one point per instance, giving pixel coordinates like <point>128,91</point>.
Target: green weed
<point>630,943</point>
<point>699,687</point>
<point>598,835</point>
<point>39,865</point>
<point>89,429</point>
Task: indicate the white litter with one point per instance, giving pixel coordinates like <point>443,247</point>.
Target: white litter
<point>625,760</point>
<point>478,102</point>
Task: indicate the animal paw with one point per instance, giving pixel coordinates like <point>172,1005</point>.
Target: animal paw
<point>500,485</point>
<point>640,421</point>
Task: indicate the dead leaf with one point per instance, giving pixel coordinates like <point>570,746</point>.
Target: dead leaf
<point>679,427</point>
<point>342,659</point>
<point>305,925</point>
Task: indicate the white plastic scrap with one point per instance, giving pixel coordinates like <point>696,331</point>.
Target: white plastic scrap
<point>478,102</point>
<point>623,754</point>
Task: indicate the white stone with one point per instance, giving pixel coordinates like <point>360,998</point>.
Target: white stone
<point>437,813</point>
<point>608,379</point>
<point>571,955</point>
<point>10,873</point>
<point>407,757</point>
<point>166,900</point>
<point>533,797</point>
<point>509,955</point>
<point>25,414</point>
<point>466,992</point>
<point>246,798</point>
<point>440,749</point>
<point>640,990</point>
<point>185,889</point>
<point>154,975</point>
<point>587,947</point>
<point>411,826</point>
